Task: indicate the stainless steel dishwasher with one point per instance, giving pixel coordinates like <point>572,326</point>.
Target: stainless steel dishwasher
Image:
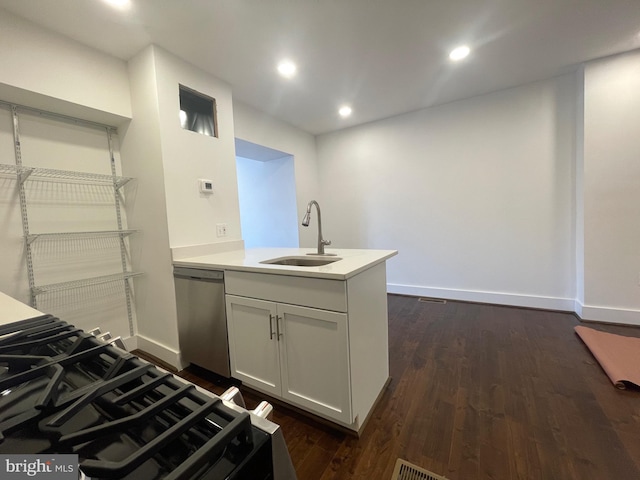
<point>202,319</point>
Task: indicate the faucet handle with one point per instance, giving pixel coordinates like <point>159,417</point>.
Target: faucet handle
<point>326,242</point>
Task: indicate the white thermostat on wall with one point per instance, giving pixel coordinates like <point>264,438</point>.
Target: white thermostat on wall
<point>206,186</point>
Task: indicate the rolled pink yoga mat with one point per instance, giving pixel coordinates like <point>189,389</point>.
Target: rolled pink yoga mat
<point>618,356</point>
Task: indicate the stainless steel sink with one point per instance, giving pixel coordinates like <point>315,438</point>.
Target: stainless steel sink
<point>301,261</point>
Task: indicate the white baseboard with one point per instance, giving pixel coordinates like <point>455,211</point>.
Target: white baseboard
<point>585,312</point>
<point>608,314</point>
<point>577,307</point>
<point>164,353</point>
<point>131,343</point>
<point>529,301</point>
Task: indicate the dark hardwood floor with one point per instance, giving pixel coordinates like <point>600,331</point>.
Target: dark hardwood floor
<point>480,392</point>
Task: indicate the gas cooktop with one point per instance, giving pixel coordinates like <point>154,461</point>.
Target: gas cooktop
<point>63,391</point>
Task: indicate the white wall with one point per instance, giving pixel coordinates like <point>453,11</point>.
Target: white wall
<point>481,196</point>
<point>476,195</point>
<point>579,192</point>
<point>142,159</point>
<point>188,156</point>
<point>169,209</point>
<point>268,202</point>
<point>256,127</point>
<point>612,189</point>
<point>46,70</point>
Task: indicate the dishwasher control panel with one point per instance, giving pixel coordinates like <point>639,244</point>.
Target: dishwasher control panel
<point>196,273</point>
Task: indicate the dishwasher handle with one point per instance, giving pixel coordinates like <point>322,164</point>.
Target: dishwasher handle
<point>198,274</point>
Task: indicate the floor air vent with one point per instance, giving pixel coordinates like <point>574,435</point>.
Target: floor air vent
<point>408,471</point>
<point>431,300</point>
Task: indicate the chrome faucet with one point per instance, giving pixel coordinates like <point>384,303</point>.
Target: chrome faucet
<point>305,223</point>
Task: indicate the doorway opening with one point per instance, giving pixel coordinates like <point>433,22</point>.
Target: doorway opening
<point>267,195</point>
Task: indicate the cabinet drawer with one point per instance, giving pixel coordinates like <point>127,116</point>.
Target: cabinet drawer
<point>309,292</point>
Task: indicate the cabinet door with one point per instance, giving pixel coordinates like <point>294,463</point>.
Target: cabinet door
<point>253,345</point>
<point>314,360</point>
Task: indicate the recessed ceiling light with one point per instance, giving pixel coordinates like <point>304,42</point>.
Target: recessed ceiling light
<point>121,4</point>
<point>345,111</point>
<point>459,53</point>
<point>287,68</point>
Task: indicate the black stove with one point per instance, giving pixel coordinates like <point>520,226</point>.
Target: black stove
<point>63,391</point>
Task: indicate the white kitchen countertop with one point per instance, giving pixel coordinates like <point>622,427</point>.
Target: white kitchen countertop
<point>12,310</point>
<point>353,261</point>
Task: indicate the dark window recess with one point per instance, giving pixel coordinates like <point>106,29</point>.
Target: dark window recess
<point>198,112</point>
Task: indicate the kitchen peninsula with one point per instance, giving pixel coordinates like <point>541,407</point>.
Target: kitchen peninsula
<point>315,337</point>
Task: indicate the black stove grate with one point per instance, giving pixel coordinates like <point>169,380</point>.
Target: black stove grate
<point>64,391</point>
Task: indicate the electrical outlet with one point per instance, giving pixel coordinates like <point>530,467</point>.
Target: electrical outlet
<point>221,229</point>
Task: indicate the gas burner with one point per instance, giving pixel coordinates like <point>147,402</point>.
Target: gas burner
<point>64,391</point>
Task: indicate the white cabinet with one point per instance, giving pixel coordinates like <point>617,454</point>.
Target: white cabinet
<point>296,353</point>
<point>253,346</point>
<point>319,344</point>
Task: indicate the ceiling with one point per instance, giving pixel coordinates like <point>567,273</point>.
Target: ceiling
<point>383,57</point>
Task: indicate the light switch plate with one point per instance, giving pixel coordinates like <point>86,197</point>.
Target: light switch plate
<point>221,229</point>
